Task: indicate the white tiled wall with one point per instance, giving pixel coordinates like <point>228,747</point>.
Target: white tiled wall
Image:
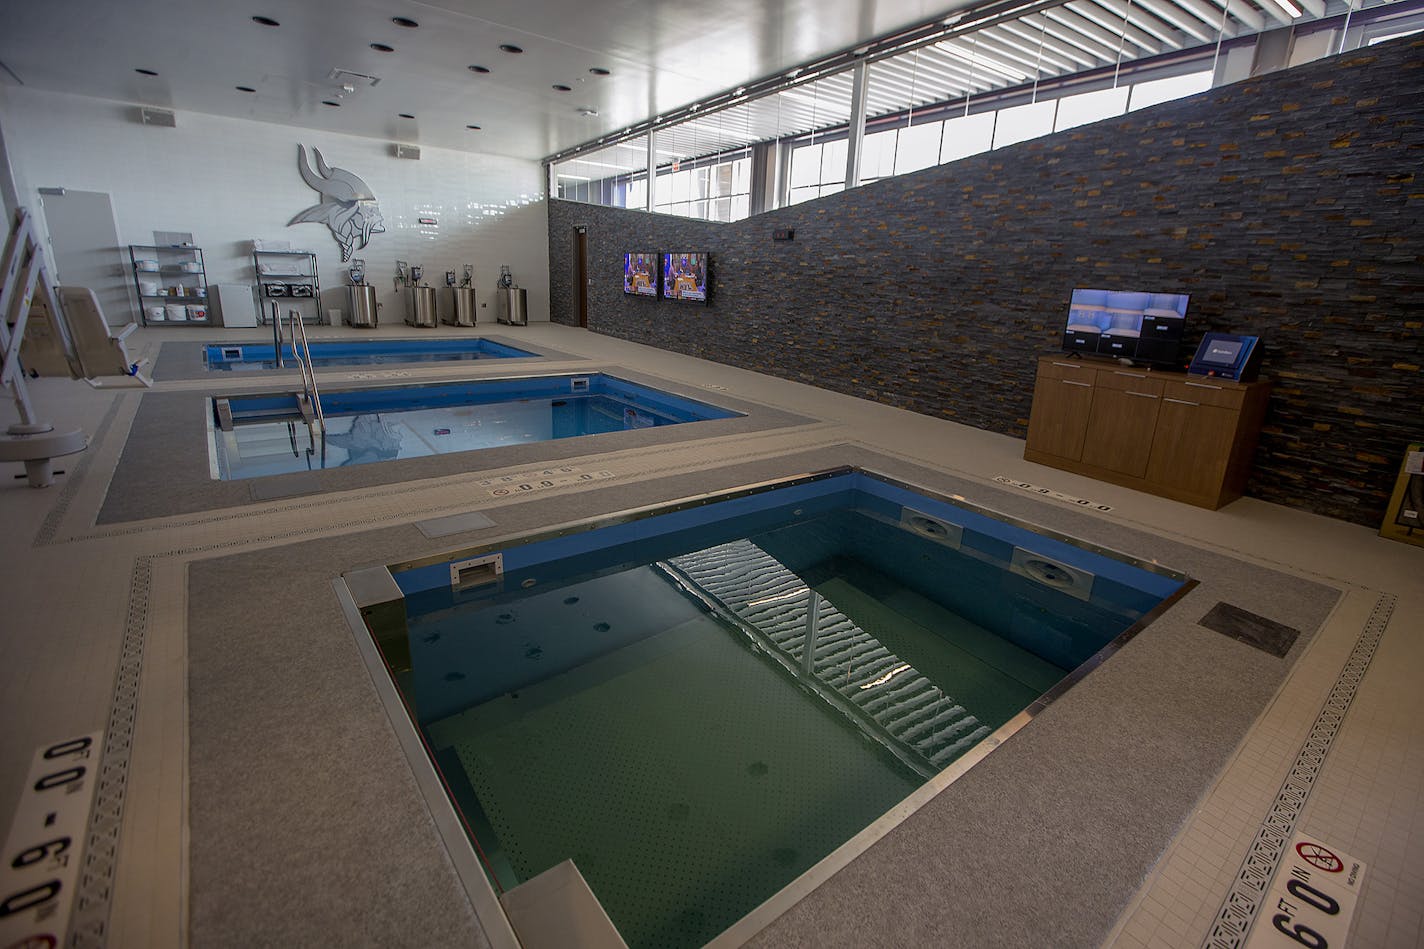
<point>229,180</point>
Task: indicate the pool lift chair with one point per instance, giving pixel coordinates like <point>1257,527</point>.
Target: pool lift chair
<point>66,335</point>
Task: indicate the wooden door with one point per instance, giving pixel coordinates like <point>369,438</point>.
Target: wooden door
<point>1192,447</point>
<point>581,274</point>
<point>1059,418</point>
<point>1119,436</point>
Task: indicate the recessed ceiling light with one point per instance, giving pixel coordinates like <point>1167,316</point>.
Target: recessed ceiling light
<point>473,128</point>
<point>600,71</point>
<point>265,21</point>
<point>479,69</point>
<point>405,115</point>
<point>383,48</point>
<point>588,112</point>
<point>563,88</point>
<point>244,89</point>
<point>404,21</point>
<point>145,72</point>
<point>331,102</point>
<point>511,48</point>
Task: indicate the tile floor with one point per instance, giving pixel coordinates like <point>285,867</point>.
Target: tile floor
<point>94,626</point>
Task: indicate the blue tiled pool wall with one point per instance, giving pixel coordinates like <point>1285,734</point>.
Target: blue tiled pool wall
<point>224,356</point>
<point>973,582</point>
<point>665,405</point>
<point>1057,627</point>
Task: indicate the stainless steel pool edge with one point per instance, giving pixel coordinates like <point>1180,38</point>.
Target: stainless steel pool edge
<point>484,902</point>
<point>828,866</point>
<point>798,889</point>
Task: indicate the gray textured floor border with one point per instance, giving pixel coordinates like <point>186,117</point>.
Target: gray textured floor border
<point>233,657</point>
<point>164,467</point>
<point>1243,900</point>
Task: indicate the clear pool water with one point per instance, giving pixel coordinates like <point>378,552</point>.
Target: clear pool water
<point>268,435</point>
<point>699,706</point>
<point>245,356</point>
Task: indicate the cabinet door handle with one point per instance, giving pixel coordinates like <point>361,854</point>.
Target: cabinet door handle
<point>1069,365</point>
<point>1204,385</point>
<point>1130,375</point>
<point>1182,402</point>
<point>1070,382</point>
<point>1141,395</point>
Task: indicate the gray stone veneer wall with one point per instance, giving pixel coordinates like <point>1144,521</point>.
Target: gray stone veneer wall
<point>1286,205</point>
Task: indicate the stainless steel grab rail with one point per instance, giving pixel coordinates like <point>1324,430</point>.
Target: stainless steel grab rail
<point>277,334</point>
<point>303,357</point>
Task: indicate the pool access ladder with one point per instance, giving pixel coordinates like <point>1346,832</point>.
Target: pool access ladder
<point>829,653</point>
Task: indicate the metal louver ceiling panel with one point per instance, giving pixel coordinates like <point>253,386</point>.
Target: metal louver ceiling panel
<point>1049,43</point>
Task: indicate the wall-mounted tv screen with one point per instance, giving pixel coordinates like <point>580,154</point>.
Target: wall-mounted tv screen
<point>685,277</point>
<point>1127,324</point>
<point>640,274</point>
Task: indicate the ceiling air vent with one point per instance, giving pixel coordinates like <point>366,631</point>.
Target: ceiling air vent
<point>408,151</point>
<point>162,117</point>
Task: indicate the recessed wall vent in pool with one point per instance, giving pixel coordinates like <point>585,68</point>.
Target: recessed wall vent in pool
<point>1052,573</point>
<point>932,528</point>
<point>476,572</point>
<point>578,384</point>
<point>232,352</point>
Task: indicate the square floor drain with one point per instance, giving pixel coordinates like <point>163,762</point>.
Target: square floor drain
<point>1244,626</point>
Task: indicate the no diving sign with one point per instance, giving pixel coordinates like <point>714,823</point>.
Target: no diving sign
<point>1310,900</point>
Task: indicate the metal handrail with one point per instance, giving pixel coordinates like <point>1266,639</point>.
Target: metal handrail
<point>303,357</point>
<point>277,334</point>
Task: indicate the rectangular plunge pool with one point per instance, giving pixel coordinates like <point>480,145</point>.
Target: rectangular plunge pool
<point>256,435</point>
<point>253,356</point>
<point>698,703</point>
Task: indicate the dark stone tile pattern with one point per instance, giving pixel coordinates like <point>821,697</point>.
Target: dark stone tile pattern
<point>1287,206</point>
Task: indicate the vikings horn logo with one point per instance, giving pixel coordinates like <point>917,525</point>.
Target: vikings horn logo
<point>348,207</point>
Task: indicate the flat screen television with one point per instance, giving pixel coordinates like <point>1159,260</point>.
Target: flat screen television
<point>685,277</point>
<point>640,274</point>
<point>1127,324</point>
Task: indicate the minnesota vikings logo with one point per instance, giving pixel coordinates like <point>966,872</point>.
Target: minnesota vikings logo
<point>348,207</point>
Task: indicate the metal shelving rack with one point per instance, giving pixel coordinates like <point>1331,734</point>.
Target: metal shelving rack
<point>173,275</point>
<point>289,279</point>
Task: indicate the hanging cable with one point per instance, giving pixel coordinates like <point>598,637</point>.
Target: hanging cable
<point>1122,41</point>
<point>1220,35</point>
<point>1038,66</point>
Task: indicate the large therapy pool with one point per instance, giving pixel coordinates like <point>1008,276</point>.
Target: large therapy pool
<point>700,702</point>
<point>256,435</point>
<point>251,356</point>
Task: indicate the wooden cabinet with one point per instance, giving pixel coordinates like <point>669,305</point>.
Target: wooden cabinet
<point>1190,438</point>
<point>1060,416</point>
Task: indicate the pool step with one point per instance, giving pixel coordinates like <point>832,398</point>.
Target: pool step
<point>764,593</point>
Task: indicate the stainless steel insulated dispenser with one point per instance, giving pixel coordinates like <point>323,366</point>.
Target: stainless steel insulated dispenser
<point>422,307</point>
<point>363,306</point>
<point>460,309</point>
<point>362,297</point>
<point>512,306</point>
<point>510,300</point>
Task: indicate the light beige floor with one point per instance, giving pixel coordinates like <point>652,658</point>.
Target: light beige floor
<point>68,588</point>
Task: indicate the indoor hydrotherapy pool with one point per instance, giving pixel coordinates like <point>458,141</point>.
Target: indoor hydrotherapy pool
<point>252,356</point>
<point>698,703</point>
<point>277,433</point>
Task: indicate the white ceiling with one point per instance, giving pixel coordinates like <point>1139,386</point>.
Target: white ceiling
<point>661,55</point>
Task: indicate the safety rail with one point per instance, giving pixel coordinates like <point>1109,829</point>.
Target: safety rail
<point>301,352</point>
<point>277,335</point>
